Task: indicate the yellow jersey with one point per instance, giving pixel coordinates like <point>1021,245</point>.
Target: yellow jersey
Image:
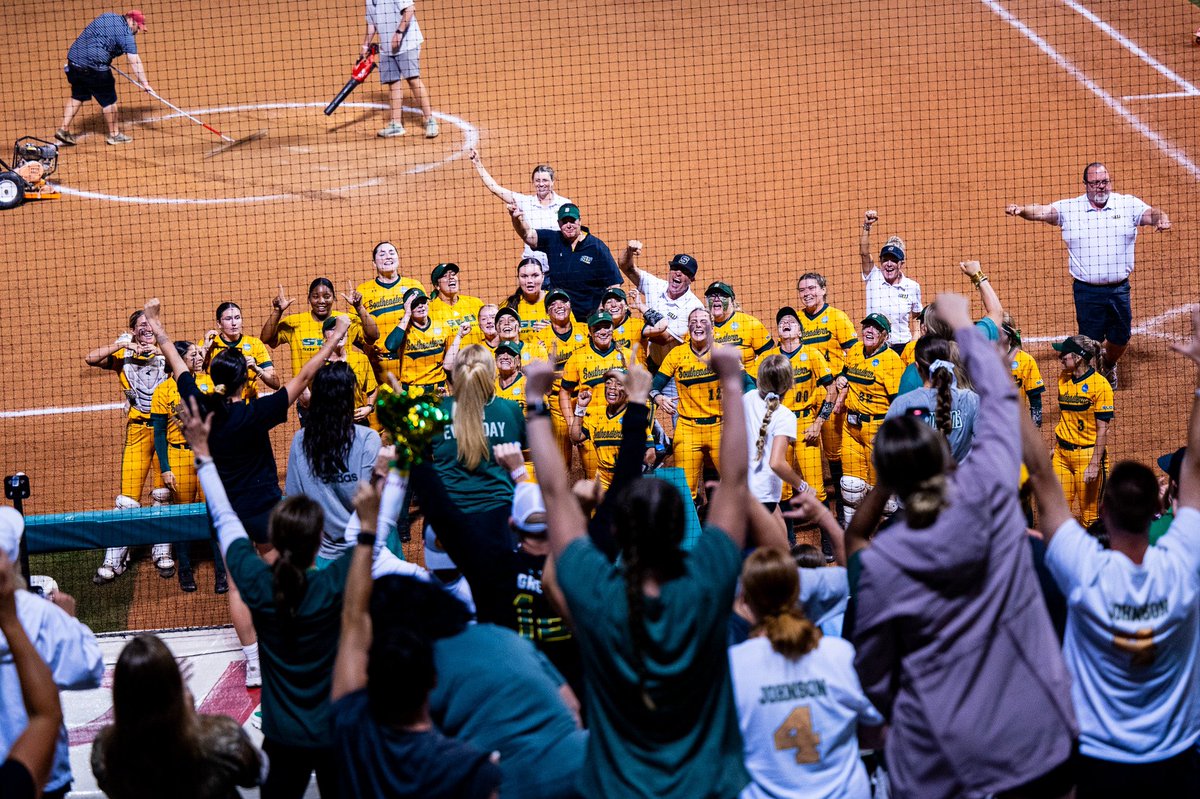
<point>604,430</point>
<point>628,333</point>
<point>745,332</point>
<point>813,376</point>
<point>304,337</point>
<point>531,313</point>
<point>166,401</point>
<point>139,376</point>
<point>587,366</point>
<point>874,379</point>
<point>385,303</point>
<point>1082,402</point>
<point>830,332</point>
<point>1026,374</point>
<point>699,387</point>
<point>250,347</point>
<point>424,351</point>
<point>564,346</point>
<point>465,309</point>
<point>514,391</point>
<point>909,354</point>
<point>364,376</point>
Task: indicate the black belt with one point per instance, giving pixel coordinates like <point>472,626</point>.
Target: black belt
<point>142,422</point>
<point>705,421</point>
<point>867,417</point>
<point>1124,282</point>
<point>1069,447</point>
<point>178,446</point>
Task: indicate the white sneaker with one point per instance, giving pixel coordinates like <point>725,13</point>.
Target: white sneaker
<point>431,128</point>
<point>393,129</point>
<point>253,674</point>
<point>115,561</point>
<point>163,561</point>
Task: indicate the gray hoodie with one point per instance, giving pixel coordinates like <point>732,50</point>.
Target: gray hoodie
<point>954,643</point>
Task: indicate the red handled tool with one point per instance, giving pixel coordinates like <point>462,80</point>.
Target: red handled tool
<point>364,67</point>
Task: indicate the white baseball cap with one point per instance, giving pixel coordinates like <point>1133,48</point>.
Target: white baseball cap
<point>12,525</point>
<point>527,500</point>
<point>436,557</point>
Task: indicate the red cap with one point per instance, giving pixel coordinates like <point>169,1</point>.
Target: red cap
<point>138,18</point>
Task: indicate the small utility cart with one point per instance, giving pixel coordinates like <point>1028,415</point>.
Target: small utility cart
<point>33,161</point>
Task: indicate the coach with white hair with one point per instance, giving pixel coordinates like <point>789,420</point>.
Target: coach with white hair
<point>68,647</point>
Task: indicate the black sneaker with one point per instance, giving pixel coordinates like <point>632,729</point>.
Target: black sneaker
<point>221,584</point>
<point>187,580</point>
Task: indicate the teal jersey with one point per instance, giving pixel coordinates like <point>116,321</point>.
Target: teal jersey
<point>488,485</point>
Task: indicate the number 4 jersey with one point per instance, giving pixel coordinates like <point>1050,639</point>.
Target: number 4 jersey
<point>799,720</point>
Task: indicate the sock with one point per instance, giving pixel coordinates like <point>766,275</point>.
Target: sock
<point>251,652</point>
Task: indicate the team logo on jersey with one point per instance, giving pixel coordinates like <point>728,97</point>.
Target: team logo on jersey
<point>824,320</point>
<point>437,331</point>
<point>734,326</point>
<point>1014,365</point>
<point>579,337</point>
<point>804,356</point>
<point>1085,388</point>
<point>875,362</point>
<point>587,259</point>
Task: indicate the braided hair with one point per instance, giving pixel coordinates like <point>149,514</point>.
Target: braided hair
<point>930,349</point>
<point>775,379</point>
<point>648,523</point>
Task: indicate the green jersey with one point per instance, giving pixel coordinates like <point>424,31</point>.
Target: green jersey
<point>488,485</point>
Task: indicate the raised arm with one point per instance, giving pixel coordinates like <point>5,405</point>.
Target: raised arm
<point>565,519</point>
<point>1189,471</point>
<point>992,308</point>
<point>521,225</point>
<point>627,262</point>
<point>101,357</point>
<point>728,510</point>
<point>506,196</point>
<point>864,242</point>
<point>303,378</point>
<point>270,329</point>
<point>1053,510</point>
<point>34,748</point>
<point>370,327</point>
<point>152,311</point>
<point>354,645</point>
<point>1035,213</point>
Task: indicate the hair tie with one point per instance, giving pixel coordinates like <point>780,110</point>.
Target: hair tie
<point>219,389</point>
<point>948,366</point>
<point>770,395</point>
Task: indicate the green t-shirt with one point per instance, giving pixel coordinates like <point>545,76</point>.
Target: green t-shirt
<point>690,745</point>
<point>1160,526</point>
<point>297,671</point>
<point>488,486</point>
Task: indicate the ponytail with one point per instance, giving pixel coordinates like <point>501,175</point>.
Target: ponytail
<point>295,530</point>
<point>942,378</point>
<point>474,388</point>
<point>928,498</point>
<point>772,405</point>
<point>937,360</point>
<point>775,379</point>
<point>771,588</point>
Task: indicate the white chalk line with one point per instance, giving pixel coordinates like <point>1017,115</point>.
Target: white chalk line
<point>470,141</point>
<point>1162,96</point>
<point>1166,147</point>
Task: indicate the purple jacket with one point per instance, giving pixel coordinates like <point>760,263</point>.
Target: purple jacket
<point>954,643</point>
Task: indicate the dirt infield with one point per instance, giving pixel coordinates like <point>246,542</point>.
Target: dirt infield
<point>752,136</point>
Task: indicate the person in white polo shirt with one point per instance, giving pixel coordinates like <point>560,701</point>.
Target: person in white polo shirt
<point>889,291</point>
<point>1133,622</point>
<point>669,302</point>
<point>540,208</point>
<point>1099,228</point>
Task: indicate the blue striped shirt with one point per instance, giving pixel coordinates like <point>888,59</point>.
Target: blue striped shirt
<point>105,38</point>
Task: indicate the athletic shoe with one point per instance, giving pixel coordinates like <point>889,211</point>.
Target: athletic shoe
<point>164,562</point>
<point>119,138</point>
<point>431,128</point>
<point>187,580</point>
<point>221,584</point>
<point>66,137</point>
<point>393,129</point>
<point>1108,371</point>
<point>256,719</point>
<point>253,674</point>
<point>110,570</point>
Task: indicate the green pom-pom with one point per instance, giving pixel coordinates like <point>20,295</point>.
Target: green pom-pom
<point>413,417</point>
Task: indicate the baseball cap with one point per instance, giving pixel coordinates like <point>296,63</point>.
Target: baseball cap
<point>1069,346</point>
<point>435,556</point>
<point>329,323</point>
<point>568,211</point>
<point>1014,335</point>
<point>685,263</point>
<point>921,313</point>
<point>555,294</point>
<point>527,501</point>
<point>12,525</point>
<point>615,293</point>
<point>719,288</point>
<point>599,318</point>
<point>891,252</point>
<point>511,347</point>
<point>1172,462</point>
<point>506,311</point>
<point>440,271</point>
<point>419,295</point>
<point>138,18</point>
<point>786,310</point>
<point>878,320</point>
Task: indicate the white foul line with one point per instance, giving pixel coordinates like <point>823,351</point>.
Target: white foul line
<point>1129,45</point>
<point>112,406</point>
<point>1167,148</point>
<point>1146,328</point>
<point>1162,96</point>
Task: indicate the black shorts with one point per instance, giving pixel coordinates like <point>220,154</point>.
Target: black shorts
<point>1103,312</point>
<point>89,83</point>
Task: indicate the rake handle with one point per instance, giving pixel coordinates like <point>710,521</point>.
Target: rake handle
<point>172,106</point>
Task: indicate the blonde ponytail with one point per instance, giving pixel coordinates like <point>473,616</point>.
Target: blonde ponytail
<point>775,379</point>
<point>474,388</point>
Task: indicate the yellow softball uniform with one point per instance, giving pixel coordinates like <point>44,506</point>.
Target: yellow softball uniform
<point>698,432</point>
<point>385,303</point>
<point>831,333</point>
<point>1026,374</point>
<point>874,380</point>
<point>1082,402</point>
<point>589,367</point>
<point>304,337</point>
<point>249,347</point>
<point>813,377</point>
<point>909,354</point>
<point>364,377</point>
<point>465,309</point>
<point>603,432</point>
<point>180,461</point>
<point>423,354</point>
<point>564,346</point>
<point>514,391</point>
<point>749,335</point>
<point>139,377</point>
<point>628,333</point>
<point>531,313</point>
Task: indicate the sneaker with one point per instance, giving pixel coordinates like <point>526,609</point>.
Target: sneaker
<point>221,584</point>
<point>165,565</point>
<point>256,719</point>
<point>253,674</point>
<point>393,129</point>
<point>431,128</point>
<point>187,580</point>
<point>119,138</point>
<point>1108,371</point>
<point>110,570</point>
<point>66,137</point>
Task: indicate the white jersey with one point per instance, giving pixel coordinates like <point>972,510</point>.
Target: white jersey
<point>539,217</point>
<point>1131,641</point>
<point>765,485</point>
<point>1100,240</point>
<point>676,311</point>
<point>799,720</point>
<point>897,302</point>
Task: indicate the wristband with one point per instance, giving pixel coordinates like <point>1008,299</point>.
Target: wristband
<point>978,278</point>
<point>581,411</point>
<point>826,411</point>
<point>652,317</point>
<point>366,539</point>
<point>537,407</point>
<point>517,473</point>
<point>202,461</point>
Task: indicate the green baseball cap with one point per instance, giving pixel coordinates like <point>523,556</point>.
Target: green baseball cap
<point>615,293</point>
<point>878,320</point>
<point>419,295</point>
<point>513,348</point>
<point>440,271</point>
<point>568,211</point>
<point>599,318</point>
<point>719,288</point>
<point>329,323</point>
<point>555,294</point>
<point>506,311</point>
<point>1068,346</point>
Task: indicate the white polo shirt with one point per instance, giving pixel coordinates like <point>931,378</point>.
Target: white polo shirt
<point>897,302</point>
<point>1131,641</point>
<point>1100,240</point>
<point>676,311</point>
<point>539,217</point>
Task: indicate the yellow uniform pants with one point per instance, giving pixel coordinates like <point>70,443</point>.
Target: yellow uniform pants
<point>137,457</point>
<point>806,460</point>
<point>856,450</point>
<point>1083,497</point>
<point>693,440</point>
<point>187,484</point>
<point>831,437</point>
<point>562,431</point>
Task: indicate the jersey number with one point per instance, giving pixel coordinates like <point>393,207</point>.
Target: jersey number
<point>801,396</point>
<point>714,394</point>
<point>797,733</point>
<point>1079,423</point>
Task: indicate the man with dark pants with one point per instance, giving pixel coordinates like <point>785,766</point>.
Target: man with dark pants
<point>580,264</point>
<point>89,70</point>
<point>1099,228</point>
